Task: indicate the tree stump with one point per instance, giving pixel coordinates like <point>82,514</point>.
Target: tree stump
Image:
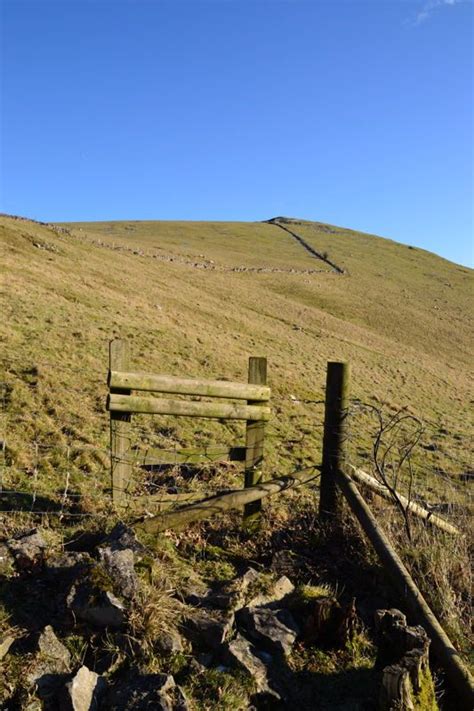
<point>403,656</point>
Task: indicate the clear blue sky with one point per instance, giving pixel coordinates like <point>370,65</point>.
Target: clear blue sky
<point>348,112</point>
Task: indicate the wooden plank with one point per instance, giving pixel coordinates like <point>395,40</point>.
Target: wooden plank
<point>456,671</point>
<point>337,385</point>
<point>381,490</point>
<point>120,428</point>
<point>157,457</point>
<point>230,500</point>
<point>162,406</point>
<point>254,438</point>
<point>186,386</point>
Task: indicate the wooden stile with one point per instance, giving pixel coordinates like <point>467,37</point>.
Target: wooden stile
<point>120,429</point>
<point>185,386</point>
<point>254,438</point>
<point>186,408</point>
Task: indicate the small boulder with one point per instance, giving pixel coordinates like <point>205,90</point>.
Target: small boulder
<point>100,608</point>
<point>169,642</point>
<point>119,564</point>
<point>122,537</point>
<point>148,692</point>
<point>205,631</point>
<point>51,664</point>
<point>279,590</point>
<point>275,630</point>
<point>28,550</point>
<point>82,693</point>
<point>240,653</point>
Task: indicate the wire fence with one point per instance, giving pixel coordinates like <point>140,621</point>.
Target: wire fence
<point>58,461</point>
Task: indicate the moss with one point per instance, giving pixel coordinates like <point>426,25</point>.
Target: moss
<point>425,699</point>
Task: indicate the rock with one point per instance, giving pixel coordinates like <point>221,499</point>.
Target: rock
<point>275,630</point>
<point>51,664</point>
<point>169,642</point>
<point>68,562</point>
<point>232,595</point>
<point>28,550</point>
<point>149,692</point>
<point>82,693</point>
<point>122,537</point>
<point>119,564</point>
<point>98,607</point>
<point>280,589</point>
<point>240,653</point>
<point>206,631</point>
<point>5,644</point>
<point>50,647</point>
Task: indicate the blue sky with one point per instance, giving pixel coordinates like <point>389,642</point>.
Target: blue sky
<point>350,112</point>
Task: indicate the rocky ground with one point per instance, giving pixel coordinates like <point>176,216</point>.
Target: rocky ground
<point>100,623</point>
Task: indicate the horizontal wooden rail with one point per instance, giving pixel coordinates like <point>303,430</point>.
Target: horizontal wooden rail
<point>456,671</point>
<point>230,500</point>
<point>157,457</point>
<point>381,490</point>
<point>161,406</point>
<point>185,386</point>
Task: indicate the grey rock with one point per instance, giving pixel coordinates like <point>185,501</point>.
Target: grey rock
<point>150,692</point>
<point>122,537</point>
<point>119,564</point>
<point>50,647</point>
<point>68,562</point>
<point>280,589</point>
<point>240,653</point>
<point>169,642</point>
<point>51,664</point>
<point>83,692</point>
<point>204,630</point>
<point>99,608</point>
<point>5,644</point>
<point>275,630</point>
<point>27,550</point>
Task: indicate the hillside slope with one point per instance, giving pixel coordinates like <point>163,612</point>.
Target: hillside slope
<point>197,299</point>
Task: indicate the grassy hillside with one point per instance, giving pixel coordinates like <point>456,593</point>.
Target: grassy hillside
<point>197,299</point>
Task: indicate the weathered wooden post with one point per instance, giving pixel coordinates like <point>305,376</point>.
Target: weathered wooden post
<point>254,437</point>
<point>120,428</point>
<point>335,424</point>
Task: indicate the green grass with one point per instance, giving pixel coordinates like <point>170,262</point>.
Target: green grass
<point>399,315</point>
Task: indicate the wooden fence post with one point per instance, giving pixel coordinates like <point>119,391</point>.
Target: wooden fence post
<point>337,386</point>
<point>120,428</point>
<point>254,437</point>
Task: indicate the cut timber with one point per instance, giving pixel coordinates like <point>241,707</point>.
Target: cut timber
<point>161,406</point>
<point>372,483</point>
<point>231,500</point>
<point>120,428</point>
<point>157,457</point>
<point>254,440</point>
<point>403,653</point>
<point>185,386</point>
<point>456,671</point>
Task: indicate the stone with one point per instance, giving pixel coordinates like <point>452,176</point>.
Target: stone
<point>169,642</point>
<point>206,631</point>
<point>28,550</point>
<point>122,537</point>
<point>5,644</point>
<point>275,630</point>
<point>147,692</point>
<point>83,692</point>
<point>98,607</point>
<point>51,664</point>
<point>119,564</point>
<point>280,589</point>
<point>240,653</point>
<point>50,647</point>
